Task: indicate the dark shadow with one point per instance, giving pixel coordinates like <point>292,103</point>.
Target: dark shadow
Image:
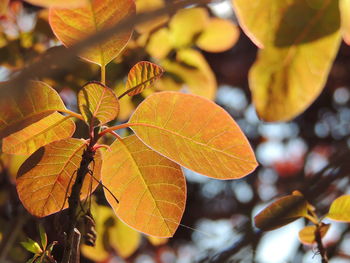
<point>31,162</point>
<point>303,23</point>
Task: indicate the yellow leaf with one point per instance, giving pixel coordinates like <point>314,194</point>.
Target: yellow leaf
<point>49,129</point>
<point>340,209</point>
<point>219,35</point>
<point>281,212</point>
<point>3,7</point>
<point>194,132</point>
<point>157,241</point>
<point>150,188</point>
<point>159,44</point>
<point>12,163</point>
<point>142,76</point>
<point>292,69</point>
<point>143,6</point>
<point>192,68</point>
<point>57,3</point>
<point>185,24</point>
<point>73,25</point>
<point>35,102</point>
<point>43,179</point>
<point>98,104</point>
<point>345,19</point>
<point>307,235</point>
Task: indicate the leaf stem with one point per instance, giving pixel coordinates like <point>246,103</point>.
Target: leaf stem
<point>103,74</point>
<point>320,247</point>
<point>312,219</point>
<point>122,126</point>
<point>73,114</point>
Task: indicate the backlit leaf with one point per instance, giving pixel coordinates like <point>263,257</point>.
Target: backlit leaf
<point>150,188</point>
<point>51,128</point>
<point>159,44</point>
<point>194,132</point>
<point>157,241</point>
<point>292,69</point>
<point>185,24</point>
<point>31,246</point>
<point>44,177</point>
<point>345,19</point>
<point>57,3</point>
<point>340,209</point>
<point>73,25</point>
<point>281,212</point>
<point>218,36</point>
<point>142,76</point>
<point>307,235</point>
<point>143,6</point>
<point>192,68</point>
<point>97,103</point>
<point>36,101</point>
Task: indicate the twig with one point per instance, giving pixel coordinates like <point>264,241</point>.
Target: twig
<point>321,249</point>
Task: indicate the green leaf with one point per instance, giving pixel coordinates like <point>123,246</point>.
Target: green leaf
<point>142,76</point>
<point>51,128</point>
<point>35,102</point>
<point>300,39</point>
<point>194,132</point>
<point>98,104</point>
<point>281,212</point>
<point>340,209</point>
<point>32,246</point>
<point>307,235</point>
<point>43,236</point>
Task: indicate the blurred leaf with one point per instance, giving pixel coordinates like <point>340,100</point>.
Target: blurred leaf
<point>12,163</point>
<point>32,246</point>
<point>3,7</point>
<point>292,69</point>
<point>143,6</point>
<point>98,104</point>
<point>192,68</point>
<point>57,3</point>
<point>157,241</point>
<point>345,19</point>
<point>340,209</point>
<point>73,25</point>
<point>281,212</point>
<point>159,44</point>
<point>43,236</point>
<point>194,132</point>
<point>186,24</point>
<point>43,179</point>
<point>142,76</point>
<point>307,235</point>
<point>219,35</point>
<point>35,102</point>
<point>52,128</point>
<point>150,188</point>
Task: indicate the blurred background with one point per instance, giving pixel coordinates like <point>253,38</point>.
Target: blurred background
<point>218,213</point>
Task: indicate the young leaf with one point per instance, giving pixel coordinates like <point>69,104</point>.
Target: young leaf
<point>345,19</point>
<point>292,69</point>
<point>202,137</point>
<point>32,246</point>
<point>281,212</point>
<point>43,179</point>
<point>150,188</point>
<point>219,35</point>
<point>307,235</point>
<point>52,128</point>
<point>37,101</point>
<point>73,25</point>
<point>57,3</point>
<point>142,76</point>
<point>98,104</point>
<point>340,209</point>
<point>43,236</point>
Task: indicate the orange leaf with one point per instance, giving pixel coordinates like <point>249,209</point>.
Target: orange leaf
<point>150,188</point>
<point>49,129</point>
<point>194,132</point>
<point>142,76</point>
<point>98,104</point>
<point>73,25</point>
<point>43,179</point>
<point>281,212</point>
<point>57,3</point>
<point>37,101</point>
<point>307,235</point>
